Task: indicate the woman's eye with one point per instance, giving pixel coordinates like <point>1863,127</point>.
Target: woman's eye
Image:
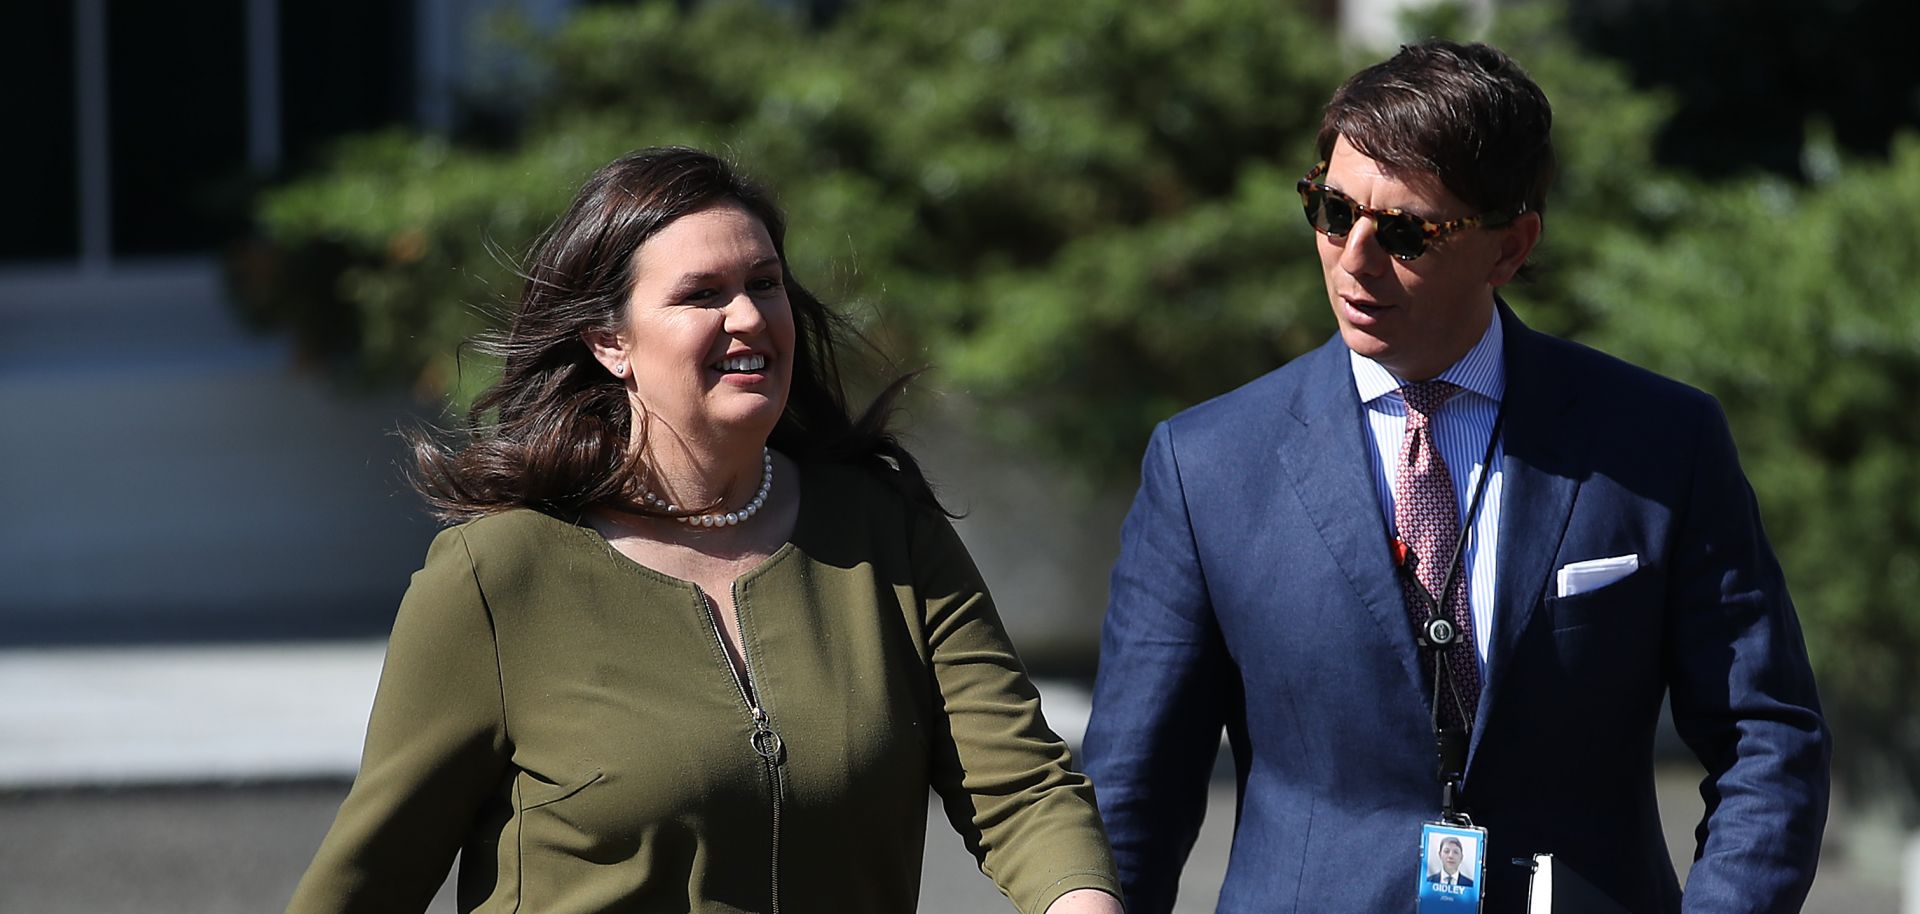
<point>764,284</point>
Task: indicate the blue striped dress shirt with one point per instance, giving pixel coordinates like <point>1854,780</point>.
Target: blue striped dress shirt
<point>1461,429</point>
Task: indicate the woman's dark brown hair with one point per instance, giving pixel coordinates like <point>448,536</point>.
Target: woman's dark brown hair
<point>554,432</point>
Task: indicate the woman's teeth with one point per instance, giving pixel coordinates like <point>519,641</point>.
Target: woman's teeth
<point>744,363</point>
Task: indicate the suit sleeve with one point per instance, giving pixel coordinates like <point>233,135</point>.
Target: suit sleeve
<point>1743,697</point>
<point>1004,777</point>
<point>1164,689</point>
<point>434,750</point>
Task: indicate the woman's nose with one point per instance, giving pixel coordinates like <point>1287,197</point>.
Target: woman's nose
<point>744,315</point>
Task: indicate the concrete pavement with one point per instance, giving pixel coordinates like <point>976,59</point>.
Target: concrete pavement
<point>120,716</point>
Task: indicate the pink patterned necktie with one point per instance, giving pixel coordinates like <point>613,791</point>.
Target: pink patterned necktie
<point>1428,518</point>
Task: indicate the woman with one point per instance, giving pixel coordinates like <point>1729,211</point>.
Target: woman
<point>701,640</point>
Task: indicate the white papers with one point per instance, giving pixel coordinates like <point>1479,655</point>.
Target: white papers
<point>1582,577</point>
<point>1540,889</point>
<point>1566,894</point>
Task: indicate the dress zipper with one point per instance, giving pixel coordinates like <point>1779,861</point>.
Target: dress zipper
<point>765,740</point>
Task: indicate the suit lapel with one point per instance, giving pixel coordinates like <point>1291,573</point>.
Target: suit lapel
<point>1330,466</point>
<point>1539,477</point>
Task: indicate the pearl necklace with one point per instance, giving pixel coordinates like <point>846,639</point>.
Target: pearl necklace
<point>729,518</point>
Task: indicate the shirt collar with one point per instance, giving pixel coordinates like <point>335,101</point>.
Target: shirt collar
<point>1482,370</point>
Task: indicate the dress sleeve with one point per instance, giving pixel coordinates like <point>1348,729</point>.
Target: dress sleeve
<point>1002,774</point>
<point>435,749</point>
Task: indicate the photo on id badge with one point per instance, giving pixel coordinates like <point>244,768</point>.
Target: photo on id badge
<point>1450,868</point>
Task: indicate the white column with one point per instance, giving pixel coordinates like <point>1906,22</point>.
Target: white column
<point>95,158</point>
<point>1376,23</point>
<point>1910,876</point>
<point>263,86</point>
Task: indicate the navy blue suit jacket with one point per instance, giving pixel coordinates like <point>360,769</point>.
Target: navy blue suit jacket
<point>1254,592</point>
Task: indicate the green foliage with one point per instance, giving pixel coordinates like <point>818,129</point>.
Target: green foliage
<point>1079,209</point>
<point>1608,182</point>
<point>1083,215</point>
<point>1795,306</point>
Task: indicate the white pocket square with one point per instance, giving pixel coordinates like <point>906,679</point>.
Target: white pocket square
<point>1593,574</point>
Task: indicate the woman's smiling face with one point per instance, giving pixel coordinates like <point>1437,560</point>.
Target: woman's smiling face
<point>708,335</point>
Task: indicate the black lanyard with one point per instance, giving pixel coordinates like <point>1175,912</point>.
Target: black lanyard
<point>1438,632</point>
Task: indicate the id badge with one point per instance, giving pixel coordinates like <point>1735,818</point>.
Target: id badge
<point>1452,860</point>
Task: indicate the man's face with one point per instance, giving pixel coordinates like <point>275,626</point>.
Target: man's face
<point>1417,317</point>
<point>1450,857</point>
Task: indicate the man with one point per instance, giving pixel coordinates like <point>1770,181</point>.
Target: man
<point>1293,538</point>
<point>1449,873</point>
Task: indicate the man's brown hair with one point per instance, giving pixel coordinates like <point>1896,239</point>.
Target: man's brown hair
<point>1465,113</point>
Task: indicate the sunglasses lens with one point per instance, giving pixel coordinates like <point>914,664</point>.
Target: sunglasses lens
<point>1315,204</point>
<point>1401,236</point>
<point>1329,213</point>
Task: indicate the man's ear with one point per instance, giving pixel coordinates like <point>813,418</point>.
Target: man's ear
<point>1517,240</point>
<point>608,349</point>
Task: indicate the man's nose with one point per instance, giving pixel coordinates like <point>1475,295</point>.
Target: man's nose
<point>1362,254</point>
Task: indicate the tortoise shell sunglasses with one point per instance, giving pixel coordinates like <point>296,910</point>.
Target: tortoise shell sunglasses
<point>1401,234</point>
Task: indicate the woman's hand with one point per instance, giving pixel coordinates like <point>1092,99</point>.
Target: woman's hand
<point>1086,901</point>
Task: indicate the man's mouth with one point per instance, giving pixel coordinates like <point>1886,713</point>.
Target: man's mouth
<point>1364,304</point>
<point>741,363</point>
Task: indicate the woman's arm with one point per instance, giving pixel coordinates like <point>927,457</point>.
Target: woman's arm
<point>1005,778</point>
<point>434,750</point>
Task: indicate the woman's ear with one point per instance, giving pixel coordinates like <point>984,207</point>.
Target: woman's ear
<point>608,349</point>
<point>1517,240</point>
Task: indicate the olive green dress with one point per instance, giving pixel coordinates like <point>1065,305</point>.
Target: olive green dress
<point>568,720</point>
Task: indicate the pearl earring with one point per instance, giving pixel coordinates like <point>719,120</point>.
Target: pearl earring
<point>619,371</point>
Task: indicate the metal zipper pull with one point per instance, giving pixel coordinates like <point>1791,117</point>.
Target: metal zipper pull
<point>765,741</point>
